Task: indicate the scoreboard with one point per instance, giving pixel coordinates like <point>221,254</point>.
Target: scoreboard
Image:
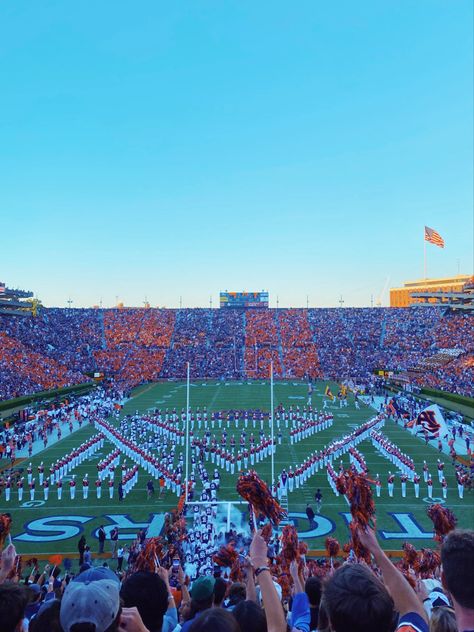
<point>243,299</point>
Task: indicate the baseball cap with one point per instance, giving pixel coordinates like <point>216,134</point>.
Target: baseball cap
<point>94,574</point>
<point>202,588</point>
<point>96,602</point>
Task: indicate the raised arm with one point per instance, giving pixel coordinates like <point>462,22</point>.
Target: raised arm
<point>273,609</point>
<point>403,595</point>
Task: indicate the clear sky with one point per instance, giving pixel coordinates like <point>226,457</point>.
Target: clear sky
<point>162,149</point>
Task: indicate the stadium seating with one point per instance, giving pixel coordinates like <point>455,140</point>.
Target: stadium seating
<point>136,345</point>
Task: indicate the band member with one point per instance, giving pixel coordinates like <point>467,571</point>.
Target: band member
<point>444,486</point>
<point>32,486</point>
<point>390,481</point>
<point>85,487</point>
<point>460,480</point>
<point>46,489</point>
<point>378,486</point>
<point>19,486</point>
<point>41,473</point>
<point>98,488</point>
<point>440,471</point>
<point>425,471</point>
<point>429,483</point>
<point>403,479</point>
<point>72,487</point>
<point>416,485</point>
<point>59,488</point>
<point>8,489</point>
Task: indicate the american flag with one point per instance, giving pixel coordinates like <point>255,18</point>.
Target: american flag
<point>2,288</point>
<point>433,237</point>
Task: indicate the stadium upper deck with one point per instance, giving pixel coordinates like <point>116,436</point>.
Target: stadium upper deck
<point>137,345</point>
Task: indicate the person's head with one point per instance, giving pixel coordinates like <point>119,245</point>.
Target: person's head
<point>356,600</point>
<point>443,619</point>
<point>237,593</point>
<point>457,558</point>
<point>90,606</point>
<point>220,588</point>
<point>149,594</point>
<point>215,620</point>
<point>13,601</point>
<point>250,616</point>
<point>202,594</point>
<point>312,588</point>
<point>47,619</point>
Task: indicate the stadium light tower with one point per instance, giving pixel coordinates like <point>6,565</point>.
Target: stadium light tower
<point>341,302</point>
<point>69,302</point>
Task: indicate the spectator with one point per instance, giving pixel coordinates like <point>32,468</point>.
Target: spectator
<point>312,588</point>
<point>202,597</point>
<point>81,547</point>
<point>214,620</point>
<point>13,602</point>
<point>101,536</point>
<point>47,619</point>
<point>114,536</point>
<point>151,595</point>
<point>311,515</point>
<point>220,589</point>
<point>355,599</point>
<point>250,616</point>
<point>90,603</point>
<point>457,557</point>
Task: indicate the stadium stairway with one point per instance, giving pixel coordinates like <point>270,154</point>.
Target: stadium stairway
<point>133,345</point>
<point>170,348</point>
<point>102,329</point>
<point>382,332</point>
<point>280,344</point>
<point>244,328</point>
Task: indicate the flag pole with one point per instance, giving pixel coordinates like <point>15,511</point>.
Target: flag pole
<point>271,422</point>
<point>424,249</point>
<point>187,434</point>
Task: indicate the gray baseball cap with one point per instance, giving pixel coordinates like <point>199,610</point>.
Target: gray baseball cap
<point>96,602</point>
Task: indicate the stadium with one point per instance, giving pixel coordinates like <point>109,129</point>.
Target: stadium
<point>237,317</point>
<point>327,372</point>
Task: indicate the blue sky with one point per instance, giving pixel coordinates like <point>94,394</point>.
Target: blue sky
<point>164,149</point>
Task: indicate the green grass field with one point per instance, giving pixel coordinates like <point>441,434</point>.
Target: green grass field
<point>55,526</point>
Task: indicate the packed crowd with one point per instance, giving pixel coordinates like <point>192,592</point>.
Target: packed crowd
<point>259,583</point>
<point>138,345</point>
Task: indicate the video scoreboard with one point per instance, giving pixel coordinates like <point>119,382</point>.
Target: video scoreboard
<point>243,299</point>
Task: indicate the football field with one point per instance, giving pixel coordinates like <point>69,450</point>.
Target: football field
<point>55,526</point>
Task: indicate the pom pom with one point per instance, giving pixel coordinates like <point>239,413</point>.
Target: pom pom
<point>5,526</point>
<point>356,487</point>
<point>150,556</point>
<point>410,554</point>
<point>225,556</point>
<point>55,560</point>
<point>267,532</point>
<point>289,544</point>
<point>443,520</point>
<point>332,546</point>
<point>302,548</point>
<point>252,489</point>
<point>427,563</point>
